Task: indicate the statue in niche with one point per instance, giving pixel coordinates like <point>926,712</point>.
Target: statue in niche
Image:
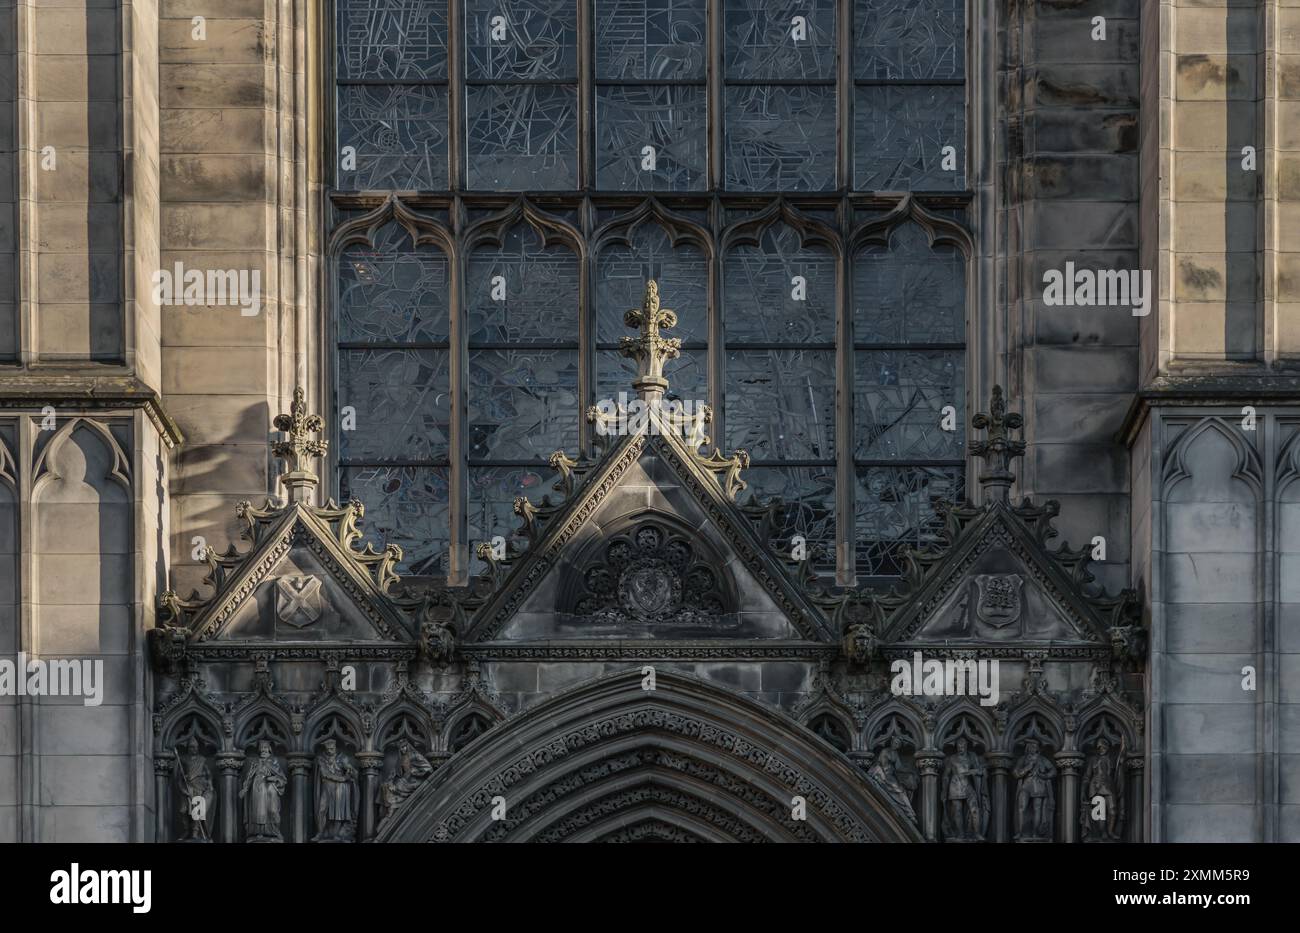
<point>965,796</point>
<point>336,796</point>
<point>261,791</point>
<point>1035,795</point>
<point>195,795</point>
<point>887,771</point>
<point>1103,782</point>
<point>412,768</point>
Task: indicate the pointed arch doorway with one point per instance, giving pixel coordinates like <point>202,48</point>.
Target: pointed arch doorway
<point>610,761</point>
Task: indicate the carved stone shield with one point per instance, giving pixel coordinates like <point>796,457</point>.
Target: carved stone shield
<point>297,600</point>
<point>649,589</point>
<point>999,598</point>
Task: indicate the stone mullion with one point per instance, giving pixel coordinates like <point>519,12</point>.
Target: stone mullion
<point>928,763</point>
<point>845,481</point>
<point>1136,816</point>
<point>456,129</point>
<point>371,763</point>
<point>587,356</point>
<point>1067,813</point>
<point>299,796</point>
<point>586,97</point>
<point>715,116</point>
<point>163,769</point>
<point>458,368</point>
<point>229,764</point>
<point>844,96</point>
<point>717,352</point>
<point>999,819</point>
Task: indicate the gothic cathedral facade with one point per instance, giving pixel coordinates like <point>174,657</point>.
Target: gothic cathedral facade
<point>649,420</point>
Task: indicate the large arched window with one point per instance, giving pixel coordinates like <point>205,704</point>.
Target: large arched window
<point>792,173</point>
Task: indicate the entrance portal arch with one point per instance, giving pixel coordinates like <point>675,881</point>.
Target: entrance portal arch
<point>609,761</point>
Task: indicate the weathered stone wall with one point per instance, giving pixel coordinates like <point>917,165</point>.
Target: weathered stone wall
<point>234,197</point>
<point>81,442</point>
<point>1214,433</point>
<point>1069,179</point>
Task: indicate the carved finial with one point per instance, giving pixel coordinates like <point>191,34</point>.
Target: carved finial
<point>650,349</point>
<point>300,449</point>
<point>998,450</point>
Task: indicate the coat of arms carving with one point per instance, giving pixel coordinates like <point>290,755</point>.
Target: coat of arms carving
<point>297,600</point>
<point>998,603</point>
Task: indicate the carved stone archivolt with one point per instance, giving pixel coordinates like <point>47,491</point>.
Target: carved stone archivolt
<point>540,754</point>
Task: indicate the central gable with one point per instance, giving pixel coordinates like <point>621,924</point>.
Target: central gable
<point>649,546</point>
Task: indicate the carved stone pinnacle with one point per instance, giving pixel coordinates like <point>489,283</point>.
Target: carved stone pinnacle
<point>300,448</point>
<point>650,349</point>
<point>998,449</point>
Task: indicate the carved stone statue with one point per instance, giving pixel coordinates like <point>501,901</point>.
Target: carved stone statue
<point>412,768</point>
<point>1035,795</point>
<point>887,771</point>
<point>1104,779</point>
<point>261,792</point>
<point>336,796</point>
<point>195,796</point>
<point>965,796</point>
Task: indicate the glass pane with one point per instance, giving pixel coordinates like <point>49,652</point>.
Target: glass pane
<point>779,292</point>
<point>406,506</point>
<point>403,407</point>
<point>393,292</point>
<point>669,120</point>
<point>779,38</point>
<point>492,492</point>
<point>809,495</point>
<point>682,274</point>
<point>522,292</point>
<point>780,138</point>
<point>780,404</point>
<point>650,40</point>
<point>915,39</point>
<point>894,510</point>
<point>688,377</point>
<point>399,40</point>
<point>900,134</point>
<point>522,138</point>
<point>523,404</point>
<point>521,39</point>
<point>898,402</point>
<point>909,292</point>
<point>400,137</point>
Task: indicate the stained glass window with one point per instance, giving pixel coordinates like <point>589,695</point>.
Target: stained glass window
<point>909,68</point>
<point>651,93</point>
<point>522,303</point>
<point>652,135</point>
<point>521,94</point>
<point>909,403</point>
<point>780,94</point>
<point>394,393</point>
<point>391,69</point>
<point>779,318</point>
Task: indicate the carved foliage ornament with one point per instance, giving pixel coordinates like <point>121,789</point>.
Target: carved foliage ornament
<point>650,575</point>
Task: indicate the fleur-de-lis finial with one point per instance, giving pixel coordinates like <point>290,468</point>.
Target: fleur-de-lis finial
<point>998,449</point>
<point>300,448</point>
<point>650,348</point>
